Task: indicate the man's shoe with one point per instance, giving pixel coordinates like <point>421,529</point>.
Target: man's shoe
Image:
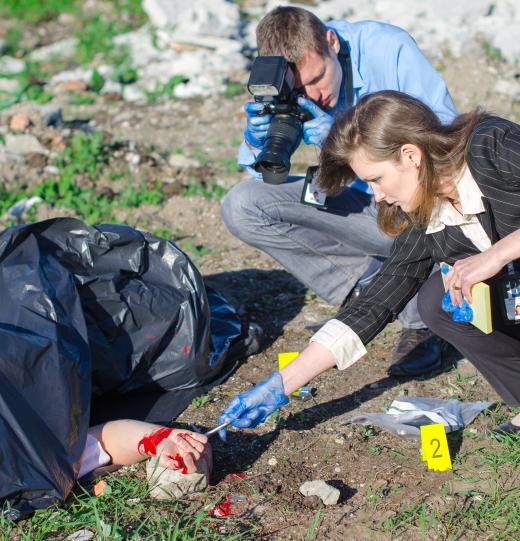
<point>506,429</point>
<point>420,352</point>
<point>355,292</point>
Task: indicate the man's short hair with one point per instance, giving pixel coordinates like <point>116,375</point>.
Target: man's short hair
<point>291,32</point>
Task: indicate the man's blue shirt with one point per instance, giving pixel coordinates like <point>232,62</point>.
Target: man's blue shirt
<point>384,57</point>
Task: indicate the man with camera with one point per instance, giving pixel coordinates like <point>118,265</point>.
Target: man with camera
<point>337,249</point>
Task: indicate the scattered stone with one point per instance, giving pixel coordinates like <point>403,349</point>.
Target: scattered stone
<point>209,17</point>
<point>74,86</point>
<point>24,144</point>
<point>11,65</point>
<point>63,48</point>
<point>329,495</point>
<point>180,161</point>
<point>51,115</point>
<point>51,170</point>
<point>112,87</point>
<point>272,461</point>
<point>340,441</point>
<point>134,94</point>
<point>25,204</point>
<point>71,75</point>
<point>166,484</point>
<point>81,535</point>
<point>20,122</point>
<point>99,488</point>
<point>9,85</point>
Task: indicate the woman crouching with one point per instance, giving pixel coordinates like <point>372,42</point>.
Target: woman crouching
<point>448,194</point>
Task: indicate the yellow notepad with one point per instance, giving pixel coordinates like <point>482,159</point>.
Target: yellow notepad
<point>481,306</point>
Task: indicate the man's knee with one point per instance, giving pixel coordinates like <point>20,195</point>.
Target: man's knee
<point>239,209</point>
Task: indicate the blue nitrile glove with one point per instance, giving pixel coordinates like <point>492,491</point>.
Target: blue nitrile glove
<point>460,314</point>
<point>315,131</point>
<point>252,407</point>
<point>257,125</point>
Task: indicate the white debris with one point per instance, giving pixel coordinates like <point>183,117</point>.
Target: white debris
<point>63,48</point>
<point>329,495</point>
<point>203,17</point>
<point>11,65</point>
<point>24,144</point>
<point>25,204</point>
<point>81,535</point>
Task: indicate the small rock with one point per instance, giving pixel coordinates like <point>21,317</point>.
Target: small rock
<point>373,386</point>
<point>24,144</point>
<point>80,535</point>
<point>340,441</point>
<point>132,158</point>
<point>63,48</point>
<point>166,484</point>
<point>179,161</point>
<point>133,94</point>
<point>329,495</point>
<point>171,186</point>
<point>51,115</point>
<point>9,85</point>
<point>272,461</point>
<point>51,170</point>
<point>8,64</point>
<point>74,86</point>
<point>337,470</point>
<point>20,122</point>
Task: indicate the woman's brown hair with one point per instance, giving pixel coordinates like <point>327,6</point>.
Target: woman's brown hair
<point>381,123</point>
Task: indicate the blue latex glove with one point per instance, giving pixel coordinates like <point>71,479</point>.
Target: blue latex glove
<point>257,125</point>
<point>315,131</point>
<point>252,407</point>
<point>460,314</point>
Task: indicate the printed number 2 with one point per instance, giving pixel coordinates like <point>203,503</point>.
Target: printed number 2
<point>435,455</point>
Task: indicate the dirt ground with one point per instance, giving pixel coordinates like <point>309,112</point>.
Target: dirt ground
<point>374,471</point>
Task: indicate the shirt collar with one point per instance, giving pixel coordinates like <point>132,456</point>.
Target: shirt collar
<point>470,197</point>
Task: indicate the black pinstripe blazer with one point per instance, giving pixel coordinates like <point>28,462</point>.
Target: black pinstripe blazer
<point>493,157</point>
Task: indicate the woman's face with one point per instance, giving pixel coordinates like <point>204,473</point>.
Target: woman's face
<point>395,182</point>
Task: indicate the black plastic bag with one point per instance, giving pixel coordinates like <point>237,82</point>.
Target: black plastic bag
<point>86,312</point>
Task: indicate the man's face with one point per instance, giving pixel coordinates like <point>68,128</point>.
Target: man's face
<point>320,76</point>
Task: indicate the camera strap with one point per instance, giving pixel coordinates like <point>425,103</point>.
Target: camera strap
<point>346,66</point>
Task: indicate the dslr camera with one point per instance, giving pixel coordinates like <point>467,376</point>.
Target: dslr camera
<point>271,82</point>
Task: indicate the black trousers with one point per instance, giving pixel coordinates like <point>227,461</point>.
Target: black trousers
<point>495,355</point>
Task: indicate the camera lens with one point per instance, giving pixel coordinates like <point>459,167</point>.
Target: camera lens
<point>283,136</point>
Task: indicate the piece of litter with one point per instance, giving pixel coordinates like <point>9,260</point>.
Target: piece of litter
<point>328,494</point>
<point>405,416</point>
<point>99,488</point>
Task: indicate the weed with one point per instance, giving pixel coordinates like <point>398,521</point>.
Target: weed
<point>311,532</point>
<point>229,165</point>
<point>233,89</point>
<point>492,52</point>
<point>210,190</point>
<point>97,81</point>
<point>163,233</point>
<point>81,99</point>
<point>165,90</point>
<point>33,11</point>
<point>200,401</point>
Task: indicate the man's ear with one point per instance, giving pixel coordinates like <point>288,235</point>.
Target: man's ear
<point>333,40</point>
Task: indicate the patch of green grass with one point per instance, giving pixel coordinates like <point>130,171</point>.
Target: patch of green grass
<point>33,11</point>
<point>30,86</point>
<point>165,90</point>
<point>200,401</point>
<point>229,165</point>
<point>134,197</point>
<point>81,99</point>
<point>492,52</point>
<point>233,89</point>
<point>126,512</point>
<point>209,190</point>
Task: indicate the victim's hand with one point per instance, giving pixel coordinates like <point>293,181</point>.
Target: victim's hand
<point>181,450</point>
<point>467,272</point>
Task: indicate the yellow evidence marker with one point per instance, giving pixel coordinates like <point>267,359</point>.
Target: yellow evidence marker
<point>284,359</point>
<point>435,450</point>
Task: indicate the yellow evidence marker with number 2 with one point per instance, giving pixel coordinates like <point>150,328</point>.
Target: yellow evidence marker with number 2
<point>435,450</point>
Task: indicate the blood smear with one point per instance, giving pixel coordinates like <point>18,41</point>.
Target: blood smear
<point>149,443</point>
<point>186,349</point>
<point>178,463</point>
<point>235,475</point>
<point>223,509</point>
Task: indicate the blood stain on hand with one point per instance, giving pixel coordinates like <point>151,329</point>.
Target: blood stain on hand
<point>178,463</point>
<point>149,443</point>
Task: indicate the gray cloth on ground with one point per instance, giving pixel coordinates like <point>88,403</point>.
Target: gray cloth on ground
<point>404,417</point>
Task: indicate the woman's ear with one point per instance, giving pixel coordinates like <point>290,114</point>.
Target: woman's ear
<point>411,155</point>
<point>333,40</point>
